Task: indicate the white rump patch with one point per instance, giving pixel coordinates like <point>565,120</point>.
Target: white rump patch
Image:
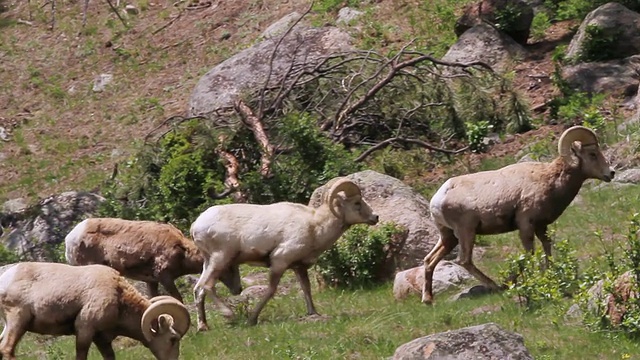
<point>437,202</point>
<point>73,239</point>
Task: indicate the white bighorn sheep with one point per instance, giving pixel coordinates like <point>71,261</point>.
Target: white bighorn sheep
<point>146,251</point>
<point>524,196</point>
<point>279,236</point>
<point>92,302</point>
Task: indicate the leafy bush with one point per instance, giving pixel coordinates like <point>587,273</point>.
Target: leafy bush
<point>507,18</point>
<point>180,175</point>
<point>539,25</point>
<point>476,132</point>
<point>536,286</point>
<point>578,9</point>
<point>596,314</point>
<point>360,256</point>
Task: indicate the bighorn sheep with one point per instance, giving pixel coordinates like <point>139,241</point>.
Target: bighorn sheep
<point>525,197</point>
<point>92,302</point>
<point>147,251</point>
<point>279,236</point>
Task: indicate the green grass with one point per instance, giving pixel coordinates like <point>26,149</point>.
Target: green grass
<point>370,324</point>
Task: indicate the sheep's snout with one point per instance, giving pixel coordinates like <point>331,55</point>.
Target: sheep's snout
<point>607,177</point>
<point>373,219</point>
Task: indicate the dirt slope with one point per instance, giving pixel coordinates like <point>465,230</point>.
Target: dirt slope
<point>65,136</point>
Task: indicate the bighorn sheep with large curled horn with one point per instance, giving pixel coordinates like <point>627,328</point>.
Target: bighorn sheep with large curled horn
<point>92,302</point>
<point>148,251</point>
<point>279,236</point>
<point>526,197</point>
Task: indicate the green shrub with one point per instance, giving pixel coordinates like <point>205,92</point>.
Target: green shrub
<point>360,256</point>
<point>599,44</point>
<point>536,286</point>
<point>539,26</point>
<point>507,18</point>
<point>179,176</point>
<point>476,132</point>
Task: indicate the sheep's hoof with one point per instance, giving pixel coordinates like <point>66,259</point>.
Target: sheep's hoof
<point>203,327</point>
<point>427,300</point>
<point>252,322</point>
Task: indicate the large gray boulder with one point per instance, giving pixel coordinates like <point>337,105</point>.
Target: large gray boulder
<point>481,342</point>
<point>484,43</point>
<point>618,77</point>
<point>34,231</point>
<point>616,22</point>
<point>249,69</point>
<point>395,201</point>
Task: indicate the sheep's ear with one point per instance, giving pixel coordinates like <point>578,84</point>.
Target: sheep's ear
<point>165,323</point>
<point>576,147</point>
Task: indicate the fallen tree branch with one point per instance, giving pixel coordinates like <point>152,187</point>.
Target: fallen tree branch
<point>385,143</point>
<point>255,124</point>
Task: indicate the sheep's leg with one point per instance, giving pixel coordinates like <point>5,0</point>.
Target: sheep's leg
<point>275,274</point>
<point>465,259</point>
<point>446,243</point>
<point>541,233</point>
<point>84,338</point>
<point>169,285</point>
<point>15,328</point>
<point>206,284</point>
<point>103,344</point>
<point>152,287</point>
<point>231,279</point>
<point>302,274</point>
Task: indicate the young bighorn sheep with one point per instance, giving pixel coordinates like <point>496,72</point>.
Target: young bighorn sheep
<point>526,197</point>
<point>279,236</point>
<point>146,251</point>
<point>92,302</point>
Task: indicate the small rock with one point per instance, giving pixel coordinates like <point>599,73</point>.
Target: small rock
<point>101,81</point>
<point>131,9</point>
<point>630,176</point>
<point>14,206</point>
<point>4,134</point>
<point>347,14</point>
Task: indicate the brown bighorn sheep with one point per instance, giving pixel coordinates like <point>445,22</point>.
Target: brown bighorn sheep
<point>146,251</point>
<point>92,302</point>
<point>525,197</point>
<point>279,236</point>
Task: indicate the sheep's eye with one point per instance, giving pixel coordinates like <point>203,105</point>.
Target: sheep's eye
<point>593,156</point>
<point>357,203</point>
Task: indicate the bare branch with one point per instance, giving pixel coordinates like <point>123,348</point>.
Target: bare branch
<point>273,56</point>
<point>385,143</point>
<point>231,182</point>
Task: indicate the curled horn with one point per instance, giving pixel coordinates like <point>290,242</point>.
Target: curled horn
<point>576,133</point>
<point>342,184</point>
<point>164,297</point>
<point>171,307</point>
